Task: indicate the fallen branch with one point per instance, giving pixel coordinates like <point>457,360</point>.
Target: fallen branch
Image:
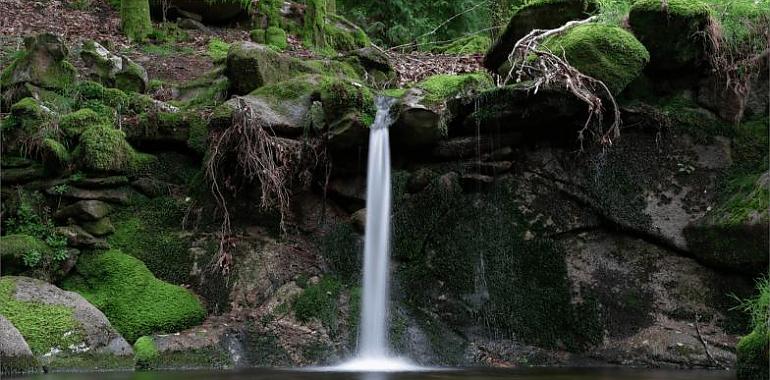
<point>705,345</point>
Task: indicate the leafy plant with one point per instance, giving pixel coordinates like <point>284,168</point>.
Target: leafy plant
<point>37,222</point>
<point>32,258</point>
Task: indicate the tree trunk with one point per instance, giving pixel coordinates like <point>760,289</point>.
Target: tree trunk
<point>315,21</point>
<point>135,19</point>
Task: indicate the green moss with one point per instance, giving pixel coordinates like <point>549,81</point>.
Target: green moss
<point>341,35</point>
<point>135,19</point>
<point>438,88</point>
<point>199,133</point>
<point>605,52</point>
<point>104,148</point>
<point>89,90</point>
<point>73,124</point>
<point>395,92</point>
<point>217,49</point>
<point>149,230</point>
<point>341,249</point>
<point>474,44</point>
<point>145,352</point>
<point>131,79</point>
<point>43,326</point>
<point>342,96</point>
<point>257,35</point>
<point>55,154</point>
<point>276,37</point>
<point>27,107</point>
<point>319,301</point>
<point>135,302</point>
<point>315,24</point>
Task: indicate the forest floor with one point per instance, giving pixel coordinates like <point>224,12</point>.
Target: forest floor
<point>181,60</point>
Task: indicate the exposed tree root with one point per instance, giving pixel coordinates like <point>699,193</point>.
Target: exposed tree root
<point>529,60</point>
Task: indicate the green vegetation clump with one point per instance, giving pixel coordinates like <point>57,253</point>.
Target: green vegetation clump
<point>104,148</point>
<point>75,123</point>
<point>217,49</point>
<point>474,44</point>
<point>43,326</point>
<point>145,352</point>
<point>441,87</point>
<point>276,37</point>
<point>20,251</point>
<point>754,349</point>
<point>135,302</point>
<point>342,96</point>
<point>319,301</point>
<point>605,52</point>
<point>341,249</point>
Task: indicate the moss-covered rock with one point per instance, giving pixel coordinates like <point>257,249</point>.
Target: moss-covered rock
<point>145,352</point>
<point>62,329</point>
<point>42,64</point>
<point>75,123</point>
<point>673,31</point>
<point>537,14</point>
<point>753,354</point>
<point>21,252</point>
<point>113,70</point>
<point>605,52</point>
<point>103,148</point>
<point>276,37</point>
<point>132,298</point>
<point>250,66</point>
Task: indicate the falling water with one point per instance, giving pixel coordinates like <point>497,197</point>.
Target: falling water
<point>373,353</point>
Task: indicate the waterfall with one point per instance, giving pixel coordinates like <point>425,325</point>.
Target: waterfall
<point>373,351</point>
<point>374,311</point>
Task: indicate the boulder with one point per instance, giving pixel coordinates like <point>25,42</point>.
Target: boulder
<point>539,14</point>
<point>672,31</point>
<point>250,66</point>
<point>101,182</point>
<point>121,195</point>
<point>113,70</point>
<point>15,355</point>
<point>358,220</point>
<point>13,176</point>
<point>153,188</point>
<point>62,329</point>
<point>42,64</point>
<point>87,210</point>
<point>379,70</point>
<point>99,227</point>
<point>211,346</point>
<point>605,52</point>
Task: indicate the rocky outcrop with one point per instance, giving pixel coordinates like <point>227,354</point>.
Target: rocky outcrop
<point>42,65</point>
<point>61,328</point>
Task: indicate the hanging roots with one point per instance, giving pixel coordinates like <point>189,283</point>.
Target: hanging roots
<point>246,152</point>
<point>528,59</point>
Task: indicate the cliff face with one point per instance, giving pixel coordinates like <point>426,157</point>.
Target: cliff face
<point>218,222</point>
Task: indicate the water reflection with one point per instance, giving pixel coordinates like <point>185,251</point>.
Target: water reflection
<point>469,374</point>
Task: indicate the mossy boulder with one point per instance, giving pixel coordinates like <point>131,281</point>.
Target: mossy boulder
<point>605,52</point>
<point>250,66</point>
<point>62,329</point>
<point>15,355</point>
<point>87,210</point>
<point>42,64</point>
<point>145,352</point>
<point>132,298</point>
<point>75,123</point>
<point>21,252</point>
<point>113,70</point>
<point>673,31</point>
<point>103,148</point>
<point>276,37</point>
<point>376,64</point>
<point>423,113</point>
<point>538,14</point>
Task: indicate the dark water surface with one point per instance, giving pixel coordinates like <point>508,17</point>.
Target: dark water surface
<point>472,374</point>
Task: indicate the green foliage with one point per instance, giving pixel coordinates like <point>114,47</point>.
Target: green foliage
<point>341,249</point>
<point>754,349</point>
<point>135,302</point>
<point>473,44</point>
<point>319,301</point>
<point>602,51</point>
<point>135,19</point>
<point>28,248</point>
<point>104,148</point>
<point>145,352</point>
<point>150,231</point>
<point>42,326</point>
<point>199,134</point>
<point>217,49</point>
